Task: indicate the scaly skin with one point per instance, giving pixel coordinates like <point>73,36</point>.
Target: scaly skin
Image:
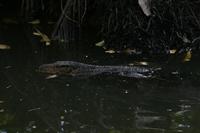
<point>80,69</point>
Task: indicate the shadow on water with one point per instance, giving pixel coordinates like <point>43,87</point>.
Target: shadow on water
<point>31,103</point>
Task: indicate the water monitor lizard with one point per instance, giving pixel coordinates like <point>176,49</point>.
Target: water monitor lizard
<point>73,68</point>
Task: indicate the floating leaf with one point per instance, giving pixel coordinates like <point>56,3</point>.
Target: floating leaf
<point>131,64</point>
<point>47,43</point>
<point>4,46</point>
<point>36,34</point>
<point>34,22</point>
<point>51,76</point>
<point>175,72</point>
<point>172,51</point>
<point>104,47</point>
<point>110,51</point>
<point>34,109</point>
<point>181,113</point>
<point>130,51</point>
<point>100,44</point>
<point>144,63</point>
<point>187,56</point>
<point>44,37</point>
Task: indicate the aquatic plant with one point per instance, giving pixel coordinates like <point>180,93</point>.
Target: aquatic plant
<point>171,24</point>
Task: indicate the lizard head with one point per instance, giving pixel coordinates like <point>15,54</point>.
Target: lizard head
<point>59,68</point>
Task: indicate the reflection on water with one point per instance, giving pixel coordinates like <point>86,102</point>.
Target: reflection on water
<point>168,103</point>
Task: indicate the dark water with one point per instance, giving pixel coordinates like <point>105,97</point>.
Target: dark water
<point>30,103</point>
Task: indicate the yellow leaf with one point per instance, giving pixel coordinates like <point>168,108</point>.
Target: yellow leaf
<point>187,56</point>
<point>172,51</point>
<point>110,51</point>
<point>36,34</point>
<point>4,46</point>
<point>44,37</point>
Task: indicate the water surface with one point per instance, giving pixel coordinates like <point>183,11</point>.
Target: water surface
<point>168,103</point>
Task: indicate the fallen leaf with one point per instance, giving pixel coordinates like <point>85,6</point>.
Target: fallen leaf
<point>187,56</point>
<point>34,109</point>
<point>131,64</point>
<point>104,47</point>
<point>9,86</point>
<point>130,51</point>
<point>4,46</point>
<point>51,76</point>
<point>44,37</point>
<point>172,51</point>
<point>36,34</point>
<point>100,44</point>
<point>181,113</point>
<point>144,63</point>
<point>175,72</point>
<point>47,43</point>
<point>110,51</point>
